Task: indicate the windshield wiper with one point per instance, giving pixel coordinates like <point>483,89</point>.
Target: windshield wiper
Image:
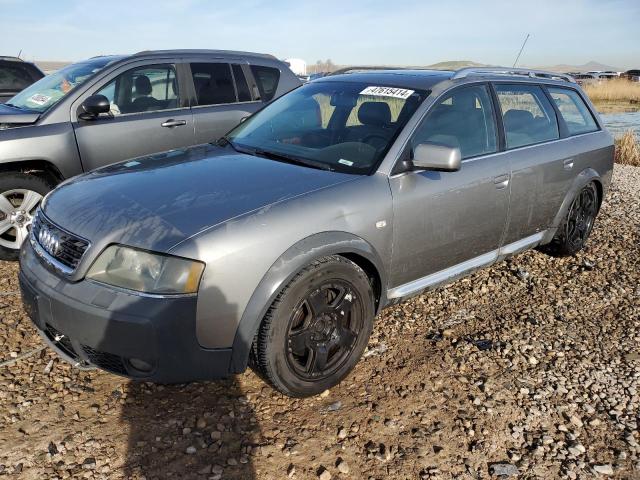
<point>223,141</point>
<point>12,105</point>
<point>289,159</point>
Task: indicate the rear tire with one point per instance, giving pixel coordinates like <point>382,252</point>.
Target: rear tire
<point>576,227</point>
<point>317,328</point>
<point>20,195</point>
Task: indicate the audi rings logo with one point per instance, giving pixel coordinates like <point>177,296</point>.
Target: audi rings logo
<point>49,241</point>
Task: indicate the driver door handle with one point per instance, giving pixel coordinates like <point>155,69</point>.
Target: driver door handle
<point>173,123</point>
<point>501,181</point>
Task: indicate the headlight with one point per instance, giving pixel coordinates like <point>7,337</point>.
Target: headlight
<point>146,272</point>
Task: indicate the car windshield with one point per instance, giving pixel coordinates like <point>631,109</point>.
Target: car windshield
<point>48,91</point>
<point>342,126</point>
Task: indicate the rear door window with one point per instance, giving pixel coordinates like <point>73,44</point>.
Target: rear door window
<point>213,83</point>
<point>527,115</point>
<point>267,79</point>
<point>463,119</point>
<point>574,111</point>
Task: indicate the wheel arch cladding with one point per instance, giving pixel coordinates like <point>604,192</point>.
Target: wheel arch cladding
<point>42,167</point>
<point>287,266</point>
<point>585,177</point>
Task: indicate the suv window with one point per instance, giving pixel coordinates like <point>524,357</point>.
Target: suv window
<point>14,77</point>
<point>575,113</point>
<point>527,115</point>
<point>267,80</point>
<point>213,83</point>
<point>244,95</point>
<point>463,119</point>
<point>143,89</point>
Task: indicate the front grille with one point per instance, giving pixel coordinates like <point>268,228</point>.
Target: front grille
<point>61,341</point>
<point>106,361</point>
<point>69,248</point>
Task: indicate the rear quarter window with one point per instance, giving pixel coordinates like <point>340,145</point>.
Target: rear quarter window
<point>574,111</point>
<point>267,79</point>
<point>14,77</point>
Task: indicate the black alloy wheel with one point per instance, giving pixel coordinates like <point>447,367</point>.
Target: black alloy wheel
<point>316,330</point>
<point>323,330</point>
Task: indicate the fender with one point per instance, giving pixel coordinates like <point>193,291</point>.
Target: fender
<point>280,274</point>
<point>584,177</point>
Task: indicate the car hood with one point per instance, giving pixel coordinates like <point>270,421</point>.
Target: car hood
<point>15,116</point>
<point>156,202</point>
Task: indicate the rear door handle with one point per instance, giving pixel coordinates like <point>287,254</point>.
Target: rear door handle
<point>501,181</point>
<point>173,123</point>
<point>568,164</point>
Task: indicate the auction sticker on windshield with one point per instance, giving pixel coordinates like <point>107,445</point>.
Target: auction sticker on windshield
<point>387,92</point>
<point>39,99</point>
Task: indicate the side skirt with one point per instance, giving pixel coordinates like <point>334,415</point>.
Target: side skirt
<point>450,274</point>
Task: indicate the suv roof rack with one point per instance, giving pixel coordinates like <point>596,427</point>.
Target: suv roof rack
<point>9,57</point>
<point>363,68</point>
<point>465,72</point>
<point>197,51</point>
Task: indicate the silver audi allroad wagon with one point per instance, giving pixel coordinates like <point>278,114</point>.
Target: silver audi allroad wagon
<point>277,246</point>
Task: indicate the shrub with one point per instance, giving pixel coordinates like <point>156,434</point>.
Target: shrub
<point>628,149</point>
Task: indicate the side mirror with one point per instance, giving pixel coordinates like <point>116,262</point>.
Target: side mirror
<point>433,156</point>
<point>94,106</point>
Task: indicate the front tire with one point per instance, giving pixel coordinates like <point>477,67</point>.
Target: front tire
<point>20,195</point>
<point>316,329</point>
<point>576,227</point>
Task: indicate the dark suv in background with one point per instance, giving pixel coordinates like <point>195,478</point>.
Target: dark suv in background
<point>16,75</point>
<point>112,108</point>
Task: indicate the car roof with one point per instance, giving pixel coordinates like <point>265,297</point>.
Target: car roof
<point>426,79</point>
<point>415,79</point>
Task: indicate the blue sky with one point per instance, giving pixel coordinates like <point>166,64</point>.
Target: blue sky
<point>402,32</point>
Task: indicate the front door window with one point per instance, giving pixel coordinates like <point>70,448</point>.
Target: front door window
<point>143,89</point>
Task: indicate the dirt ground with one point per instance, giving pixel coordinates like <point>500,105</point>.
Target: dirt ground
<point>530,369</point>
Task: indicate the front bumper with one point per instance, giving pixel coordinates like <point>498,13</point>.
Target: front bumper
<point>90,324</point>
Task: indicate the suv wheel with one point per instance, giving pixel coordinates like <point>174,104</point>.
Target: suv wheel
<point>20,195</point>
<point>578,223</point>
<point>317,328</point>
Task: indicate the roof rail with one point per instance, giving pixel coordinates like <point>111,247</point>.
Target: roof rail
<point>363,68</point>
<point>9,57</point>
<point>197,51</point>
<point>466,72</point>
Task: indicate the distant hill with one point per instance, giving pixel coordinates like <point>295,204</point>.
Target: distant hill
<point>49,67</point>
<point>587,67</point>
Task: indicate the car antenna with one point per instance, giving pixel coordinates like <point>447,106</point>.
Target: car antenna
<point>521,49</point>
<point>19,53</point>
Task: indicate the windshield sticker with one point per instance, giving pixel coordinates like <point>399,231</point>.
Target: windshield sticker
<point>348,163</point>
<point>387,92</point>
<point>39,99</point>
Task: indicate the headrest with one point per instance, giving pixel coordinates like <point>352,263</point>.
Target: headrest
<point>374,113</point>
<point>464,99</point>
<point>308,113</point>
<point>517,119</point>
<point>143,85</point>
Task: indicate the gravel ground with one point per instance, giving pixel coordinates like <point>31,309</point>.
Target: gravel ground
<point>530,369</point>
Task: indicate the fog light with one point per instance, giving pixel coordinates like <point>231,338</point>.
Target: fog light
<point>140,365</point>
